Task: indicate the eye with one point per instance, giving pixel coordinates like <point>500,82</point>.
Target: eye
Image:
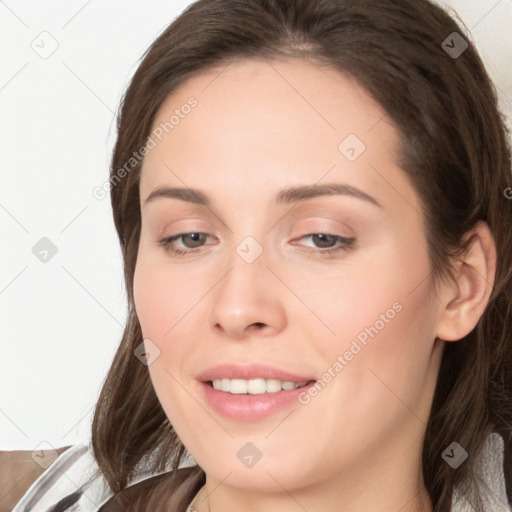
<point>197,240</point>
<point>334,243</point>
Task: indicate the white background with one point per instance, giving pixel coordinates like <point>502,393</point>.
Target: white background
<point>61,321</point>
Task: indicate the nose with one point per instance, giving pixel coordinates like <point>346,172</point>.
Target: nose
<point>248,300</point>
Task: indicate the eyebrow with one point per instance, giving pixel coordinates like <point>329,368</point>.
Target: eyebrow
<point>286,196</point>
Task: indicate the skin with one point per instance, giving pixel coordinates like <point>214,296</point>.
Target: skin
<point>260,127</point>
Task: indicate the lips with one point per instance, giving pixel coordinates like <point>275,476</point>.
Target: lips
<point>249,372</point>
<point>250,404</point>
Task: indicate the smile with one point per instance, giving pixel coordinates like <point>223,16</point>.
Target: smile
<point>257,386</point>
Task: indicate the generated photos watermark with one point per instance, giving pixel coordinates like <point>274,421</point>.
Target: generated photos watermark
<point>101,191</point>
<point>356,346</point>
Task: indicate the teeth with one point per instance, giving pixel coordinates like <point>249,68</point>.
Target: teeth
<point>254,386</point>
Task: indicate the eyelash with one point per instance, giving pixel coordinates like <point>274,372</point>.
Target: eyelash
<point>347,244</point>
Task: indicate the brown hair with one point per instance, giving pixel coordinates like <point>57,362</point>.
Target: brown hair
<point>454,148</point>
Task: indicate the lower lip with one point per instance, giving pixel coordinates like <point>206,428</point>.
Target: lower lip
<point>248,407</point>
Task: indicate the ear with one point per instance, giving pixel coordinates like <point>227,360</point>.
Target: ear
<point>463,301</point>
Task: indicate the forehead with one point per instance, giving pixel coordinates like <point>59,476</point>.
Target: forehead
<point>258,123</point>
<point>292,99</point>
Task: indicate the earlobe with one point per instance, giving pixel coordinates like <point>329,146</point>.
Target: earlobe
<point>464,301</point>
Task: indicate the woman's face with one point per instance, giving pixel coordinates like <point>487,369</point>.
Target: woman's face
<point>255,293</point>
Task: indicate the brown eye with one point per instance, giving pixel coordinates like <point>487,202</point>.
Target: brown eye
<point>196,238</point>
<point>326,243</point>
<point>190,241</point>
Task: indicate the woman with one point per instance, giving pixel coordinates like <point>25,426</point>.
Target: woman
<point>311,199</point>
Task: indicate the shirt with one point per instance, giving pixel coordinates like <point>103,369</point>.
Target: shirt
<point>74,468</point>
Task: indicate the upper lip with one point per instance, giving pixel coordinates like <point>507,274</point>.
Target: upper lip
<point>248,372</point>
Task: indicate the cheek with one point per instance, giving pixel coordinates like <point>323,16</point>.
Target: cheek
<point>161,306</point>
<point>383,319</point>
<point>148,301</point>
<point>161,298</point>
<point>384,291</point>
<point>169,310</point>
<point>377,312</point>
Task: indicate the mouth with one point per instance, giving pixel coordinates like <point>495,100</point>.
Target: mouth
<point>251,392</point>
<point>257,386</point>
